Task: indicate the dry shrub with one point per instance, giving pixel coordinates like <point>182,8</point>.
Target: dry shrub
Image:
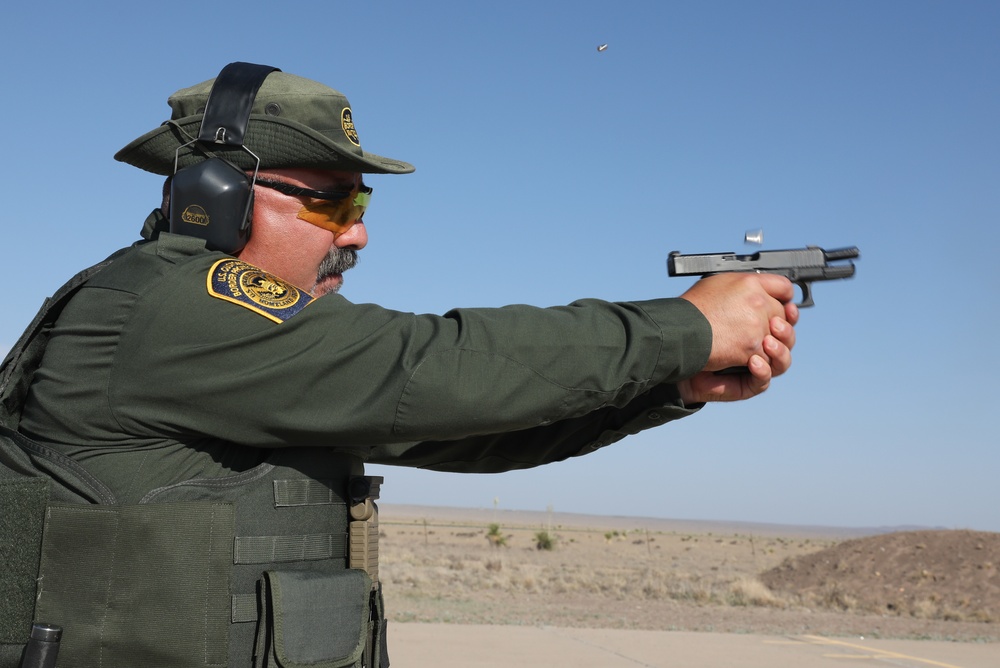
<point>752,592</point>
<point>834,596</point>
<point>983,616</point>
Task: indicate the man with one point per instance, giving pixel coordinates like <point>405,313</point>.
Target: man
<point>185,429</point>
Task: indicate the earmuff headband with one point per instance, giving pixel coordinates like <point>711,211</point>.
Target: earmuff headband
<point>227,111</point>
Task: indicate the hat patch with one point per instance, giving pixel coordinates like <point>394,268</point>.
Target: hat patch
<point>347,122</point>
<point>253,288</point>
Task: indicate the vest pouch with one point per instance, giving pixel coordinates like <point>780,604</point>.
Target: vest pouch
<point>115,577</point>
<point>316,620</point>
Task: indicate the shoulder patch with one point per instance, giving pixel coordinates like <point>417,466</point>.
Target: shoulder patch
<point>253,288</point>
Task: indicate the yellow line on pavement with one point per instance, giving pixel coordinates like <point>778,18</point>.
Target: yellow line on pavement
<point>880,653</point>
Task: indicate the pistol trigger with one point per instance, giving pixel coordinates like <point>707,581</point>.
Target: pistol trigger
<point>807,298</point>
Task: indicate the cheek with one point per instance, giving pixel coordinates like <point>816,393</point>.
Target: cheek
<point>307,236</point>
<point>308,244</point>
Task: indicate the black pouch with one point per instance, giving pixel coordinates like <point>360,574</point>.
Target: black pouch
<point>317,620</point>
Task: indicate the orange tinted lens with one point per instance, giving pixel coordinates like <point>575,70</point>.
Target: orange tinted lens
<point>329,217</point>
<point>337,217</point>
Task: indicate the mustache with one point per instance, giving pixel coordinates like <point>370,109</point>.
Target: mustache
<point>337,261</point>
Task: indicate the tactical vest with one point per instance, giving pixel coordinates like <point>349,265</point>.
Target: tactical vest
<point>267,567</point>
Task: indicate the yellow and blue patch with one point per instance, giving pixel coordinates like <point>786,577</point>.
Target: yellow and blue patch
<point>253,288</point>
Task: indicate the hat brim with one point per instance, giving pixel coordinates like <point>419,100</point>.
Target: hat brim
<point>278,143</point>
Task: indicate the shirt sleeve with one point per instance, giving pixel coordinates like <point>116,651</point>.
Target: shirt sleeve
<point>395,387</point>
<point>495,453</point>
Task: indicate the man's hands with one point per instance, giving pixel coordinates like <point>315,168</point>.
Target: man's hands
<point>753,325</point>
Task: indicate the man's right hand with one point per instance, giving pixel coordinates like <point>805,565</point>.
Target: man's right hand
<point>753,322</point>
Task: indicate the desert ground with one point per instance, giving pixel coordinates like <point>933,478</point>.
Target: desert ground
<point>491,566</point>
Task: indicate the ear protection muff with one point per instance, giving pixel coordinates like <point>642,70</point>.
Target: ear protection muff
<point>213,200</point>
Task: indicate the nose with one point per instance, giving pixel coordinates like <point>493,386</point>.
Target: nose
<point>355,238</point>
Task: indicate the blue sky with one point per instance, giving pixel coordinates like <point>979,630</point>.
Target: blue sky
<point>548,172</point>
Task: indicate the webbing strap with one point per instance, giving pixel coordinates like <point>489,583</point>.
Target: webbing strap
<point>279,549</point>
<point>304,493</point>
<point>244,608</point>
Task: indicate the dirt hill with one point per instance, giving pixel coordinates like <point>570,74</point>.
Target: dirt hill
<point>441,565</point>
<point>947,575</point>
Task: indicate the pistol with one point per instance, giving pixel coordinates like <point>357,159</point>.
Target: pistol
<point>802,266</point>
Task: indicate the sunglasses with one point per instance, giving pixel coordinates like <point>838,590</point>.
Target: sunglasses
<point>336,210</point>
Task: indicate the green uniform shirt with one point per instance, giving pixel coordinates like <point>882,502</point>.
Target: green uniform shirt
<point>162,369</point>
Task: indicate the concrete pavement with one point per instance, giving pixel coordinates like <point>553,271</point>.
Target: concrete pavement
<point>413,645</point>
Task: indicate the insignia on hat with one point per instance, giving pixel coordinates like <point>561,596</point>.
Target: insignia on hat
<point>253,288</point>
<point>347,122</point>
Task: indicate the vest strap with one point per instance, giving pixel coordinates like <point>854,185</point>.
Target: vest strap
<point>244,608</point>
<point>289,493</point>
<point>280,549</point>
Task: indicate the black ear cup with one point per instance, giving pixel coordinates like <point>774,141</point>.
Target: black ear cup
<point>213,199</point>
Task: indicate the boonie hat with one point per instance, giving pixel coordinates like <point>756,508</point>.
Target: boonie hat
<point>294,122</point>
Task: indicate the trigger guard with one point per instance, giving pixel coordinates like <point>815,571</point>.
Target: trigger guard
<point>807,299</point>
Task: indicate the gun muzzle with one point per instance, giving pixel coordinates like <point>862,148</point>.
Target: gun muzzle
<point>841,254</point>
<point>43,646</point>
